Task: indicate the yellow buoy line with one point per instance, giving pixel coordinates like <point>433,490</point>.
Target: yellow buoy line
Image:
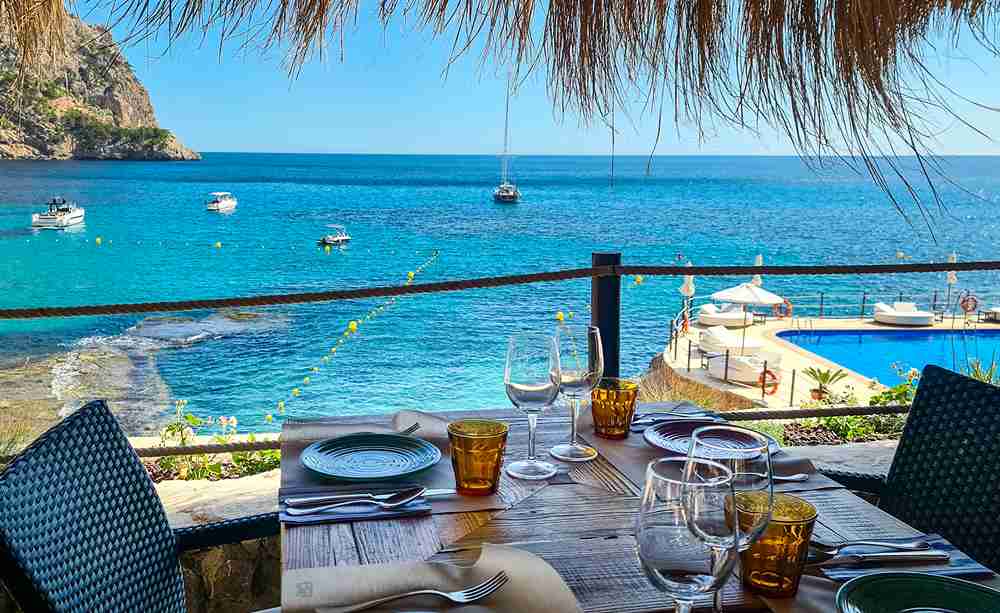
<point>351,329</point>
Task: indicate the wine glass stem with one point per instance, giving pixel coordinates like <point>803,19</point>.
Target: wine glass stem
<point>574,412</point>
<point>532,423</point>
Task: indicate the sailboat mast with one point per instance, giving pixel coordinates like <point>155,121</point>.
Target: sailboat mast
<point>506,137</point>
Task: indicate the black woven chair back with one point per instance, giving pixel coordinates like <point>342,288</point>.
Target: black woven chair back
<point>81,527</point>
<point>945,476</point>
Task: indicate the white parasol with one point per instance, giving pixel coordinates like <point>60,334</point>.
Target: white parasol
<point>747,294</point>
<point>758,261</point>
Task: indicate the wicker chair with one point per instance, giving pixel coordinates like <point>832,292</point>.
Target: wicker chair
<point>943,478</point>
<point>82,529</point>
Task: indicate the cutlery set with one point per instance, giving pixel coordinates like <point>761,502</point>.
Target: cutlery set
<point>822,554</point>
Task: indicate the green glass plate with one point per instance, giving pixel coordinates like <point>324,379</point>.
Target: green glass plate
<point>367,456</point>
<point>915,593</point>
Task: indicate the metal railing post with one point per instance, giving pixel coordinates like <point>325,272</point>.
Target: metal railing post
<point>900,297</point>
<point>864,301</point>
<point>689,355</point>
<point>934,302</point>
<point>605,310</point>
<point>725,373</point>
<point>821,305</point>
<point>791,394</point>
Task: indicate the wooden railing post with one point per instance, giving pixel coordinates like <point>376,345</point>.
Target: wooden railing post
<point>605,310</point>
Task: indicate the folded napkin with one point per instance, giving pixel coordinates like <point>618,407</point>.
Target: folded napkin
<point>534,585</point>
<point>960,565</point>
<point>353,512</point>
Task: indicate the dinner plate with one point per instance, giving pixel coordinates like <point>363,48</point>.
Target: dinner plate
<point>675,436</point>
<point>368,456</point>
<point>915,593</point>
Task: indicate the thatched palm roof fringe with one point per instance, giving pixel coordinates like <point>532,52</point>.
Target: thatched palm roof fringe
<point>842,77</point>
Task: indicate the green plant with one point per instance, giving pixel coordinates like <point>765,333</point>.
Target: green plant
<point>92,133</point>
<point>979,372</point>
<point>825,378</point>
<point>902,393</point>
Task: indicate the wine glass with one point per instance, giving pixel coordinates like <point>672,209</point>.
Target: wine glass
<point>747,455</point>
<point>531,377</point>
<point>581,359</point>
<point>686,546</point>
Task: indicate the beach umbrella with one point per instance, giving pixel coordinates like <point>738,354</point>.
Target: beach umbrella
<point>758,261</point>
<point>747,294</point>
<point>687,290</point>
<point>952,276</point>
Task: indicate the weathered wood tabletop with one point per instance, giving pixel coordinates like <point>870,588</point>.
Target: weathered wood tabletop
<point>581,522</point>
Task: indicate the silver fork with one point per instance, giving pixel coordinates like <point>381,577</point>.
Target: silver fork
<point>471,594</point>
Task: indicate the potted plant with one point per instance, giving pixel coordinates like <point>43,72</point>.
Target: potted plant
<point>824,378</point>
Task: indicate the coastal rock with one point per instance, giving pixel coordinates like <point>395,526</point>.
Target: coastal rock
<point>84,104</point>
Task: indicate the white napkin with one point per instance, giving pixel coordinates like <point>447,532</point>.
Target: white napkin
<point>534,587</point>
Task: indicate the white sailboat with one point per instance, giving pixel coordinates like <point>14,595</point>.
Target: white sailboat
<point>506,192</point>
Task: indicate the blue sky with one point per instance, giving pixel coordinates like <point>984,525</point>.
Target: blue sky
<point>388,95</point>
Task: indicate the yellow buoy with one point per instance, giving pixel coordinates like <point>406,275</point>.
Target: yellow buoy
<point>218,244</point>
<point>269,418</point>
<point>327,248</point>
<point>560,316</point>
<point>281,406</point>
<point>353,326</point>
<point>295,391</point>
<point>315,368</point>
<point>305,380</point>
<point>97,241</point>
<point>410,275</point>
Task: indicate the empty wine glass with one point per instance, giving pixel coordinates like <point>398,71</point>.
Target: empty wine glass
<point>747,455</point>
<point>686,546</point>
<point>581,360</point>
<point>531,376</point>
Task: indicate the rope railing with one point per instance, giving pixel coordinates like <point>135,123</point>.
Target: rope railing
<point>739,415</point>
<point>481,283</point>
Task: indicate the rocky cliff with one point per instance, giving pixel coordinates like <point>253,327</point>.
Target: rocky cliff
<point>85,104</point>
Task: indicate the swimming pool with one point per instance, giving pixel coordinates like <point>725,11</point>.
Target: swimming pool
<point>872,352</point>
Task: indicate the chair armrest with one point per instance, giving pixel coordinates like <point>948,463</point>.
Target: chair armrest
<point>227,532</point>
<point>868,483</point>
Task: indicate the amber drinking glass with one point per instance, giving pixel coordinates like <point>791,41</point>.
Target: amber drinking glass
<point>773,565</point>
<point>613,405</point>
<point>477,447</point>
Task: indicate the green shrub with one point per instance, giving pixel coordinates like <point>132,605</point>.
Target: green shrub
<point>92,133</point>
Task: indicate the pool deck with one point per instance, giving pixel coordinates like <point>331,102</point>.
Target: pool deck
<point>796,358</point>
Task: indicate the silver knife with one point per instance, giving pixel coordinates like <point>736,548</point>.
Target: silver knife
<point>895,557</point>
<point>316,500</point>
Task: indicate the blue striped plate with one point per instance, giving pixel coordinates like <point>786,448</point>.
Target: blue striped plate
<point>367,456</point>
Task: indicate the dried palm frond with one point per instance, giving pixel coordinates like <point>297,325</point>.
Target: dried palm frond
<point>33,27</point>
<point>841,77</point>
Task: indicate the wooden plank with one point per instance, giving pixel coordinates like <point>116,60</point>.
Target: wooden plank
<point>396,540</point>
<point>844,516</point>
<point>602,474</point>
<point>560,512</point>
<point>318,546</point>
<point>453,526</point>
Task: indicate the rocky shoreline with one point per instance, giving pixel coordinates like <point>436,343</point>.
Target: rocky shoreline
<point>41,391</point>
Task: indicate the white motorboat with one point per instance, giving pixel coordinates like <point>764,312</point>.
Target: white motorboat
<point>221,202</point>
<point>61,214</point>
<point>337,238</point>
<point>506,192</point>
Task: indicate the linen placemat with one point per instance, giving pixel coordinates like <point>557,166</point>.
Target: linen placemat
<point>296,479</point>
<point>534,586</point>
<point>633,454</point>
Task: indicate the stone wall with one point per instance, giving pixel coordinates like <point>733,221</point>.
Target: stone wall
<point>229,579</point>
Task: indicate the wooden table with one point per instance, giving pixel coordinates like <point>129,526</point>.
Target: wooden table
<point>581,522</point>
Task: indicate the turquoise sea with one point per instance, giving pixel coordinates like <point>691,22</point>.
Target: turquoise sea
<point>437,351</point>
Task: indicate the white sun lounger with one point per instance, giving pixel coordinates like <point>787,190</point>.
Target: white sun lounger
<point>742,369</point>
<point>718,339</point>
<point>902,314</point>
<point>730,317</point>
